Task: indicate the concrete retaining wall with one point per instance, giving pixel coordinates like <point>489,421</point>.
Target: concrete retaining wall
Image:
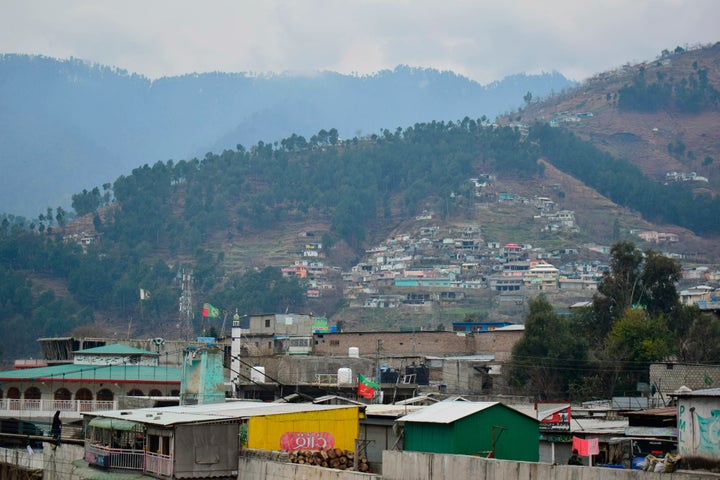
<point>259,469</point>
<point>59,465</point>
<point>427,466</point>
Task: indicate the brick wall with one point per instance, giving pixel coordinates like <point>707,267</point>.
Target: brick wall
<point>499,343</point>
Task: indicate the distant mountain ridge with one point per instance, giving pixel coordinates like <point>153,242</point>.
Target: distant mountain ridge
<point>69,125</point>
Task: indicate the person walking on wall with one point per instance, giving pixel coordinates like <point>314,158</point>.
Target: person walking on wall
<point>56,428</point>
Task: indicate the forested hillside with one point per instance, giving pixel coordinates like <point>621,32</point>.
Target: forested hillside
<point>68,125</point>
<point>162,218</point>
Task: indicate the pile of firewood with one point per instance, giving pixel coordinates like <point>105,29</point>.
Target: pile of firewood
<point>331,458</point>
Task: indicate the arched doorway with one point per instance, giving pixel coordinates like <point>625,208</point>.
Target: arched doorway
<point>84,397</point>
<point>32,398</point>
<point>135,392</point>
<point>32,393</point>
<point>62,394</point>
<point>62,399</point>
<point>13,395</point>
<point>155,393</point>
<point>105,395</point>
<point>83,394</point>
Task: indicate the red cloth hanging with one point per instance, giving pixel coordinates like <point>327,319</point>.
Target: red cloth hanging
<point>586,446</point>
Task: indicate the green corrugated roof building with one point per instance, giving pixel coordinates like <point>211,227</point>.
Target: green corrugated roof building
<point>473,428</point>
<point>95,380</point>
<point>95,373</point>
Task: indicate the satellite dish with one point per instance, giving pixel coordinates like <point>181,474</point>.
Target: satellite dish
<point>157,341</point>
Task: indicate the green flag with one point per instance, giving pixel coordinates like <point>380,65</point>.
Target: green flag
<point>210,311</point>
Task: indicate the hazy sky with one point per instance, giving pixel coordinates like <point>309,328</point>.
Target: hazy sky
<point>480,39</point>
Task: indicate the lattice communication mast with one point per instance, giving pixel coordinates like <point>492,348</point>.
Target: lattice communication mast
<point>186,311</point>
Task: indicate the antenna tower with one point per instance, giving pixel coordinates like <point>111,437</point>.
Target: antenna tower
<point>186,311</point>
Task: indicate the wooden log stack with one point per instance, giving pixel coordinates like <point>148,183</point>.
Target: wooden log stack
<point>330,458</point>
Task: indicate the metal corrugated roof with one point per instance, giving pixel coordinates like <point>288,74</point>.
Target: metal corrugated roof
<point>94,373</point>
<point>116,349</point>
<point>655,412</point>
<point>394,411</point>
<point>478,357</point>
<point>579,424</point>
<point>598,426</point>
<point>508,328</point>
<point>446,412</point>
<point>542,414</point>
<point>167,416</point>
<point>525,408</point>
<point>708,392</point>
<point>419,400</point>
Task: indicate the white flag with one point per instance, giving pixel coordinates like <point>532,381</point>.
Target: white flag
<point>144,294</point>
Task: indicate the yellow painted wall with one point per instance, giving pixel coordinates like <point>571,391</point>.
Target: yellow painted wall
<point>343,424</point>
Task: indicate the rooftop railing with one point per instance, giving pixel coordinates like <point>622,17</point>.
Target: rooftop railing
<point>129,459</point>
<point>42,407</point>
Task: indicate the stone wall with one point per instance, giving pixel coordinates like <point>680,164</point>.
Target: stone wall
<point>668,377</point>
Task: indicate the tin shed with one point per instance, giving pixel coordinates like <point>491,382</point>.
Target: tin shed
<point>699,427</point>
<point>473,428</point>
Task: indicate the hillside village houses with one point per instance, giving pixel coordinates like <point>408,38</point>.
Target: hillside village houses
<point>396,273</point>
<point>430,264</point>
<point>652,236</point>
<point>462,262</point>
<point>674,176</point>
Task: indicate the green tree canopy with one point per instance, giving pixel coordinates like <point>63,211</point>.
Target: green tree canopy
<point>550,355</point>
<point>635,340</point>
<point>646,279</point>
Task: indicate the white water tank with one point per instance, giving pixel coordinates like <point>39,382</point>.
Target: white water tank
<point>257,374</point>
<point>345,376</point>
<point>354,352</point>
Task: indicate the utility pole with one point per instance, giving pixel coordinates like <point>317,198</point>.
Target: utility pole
<point>377,360</point>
